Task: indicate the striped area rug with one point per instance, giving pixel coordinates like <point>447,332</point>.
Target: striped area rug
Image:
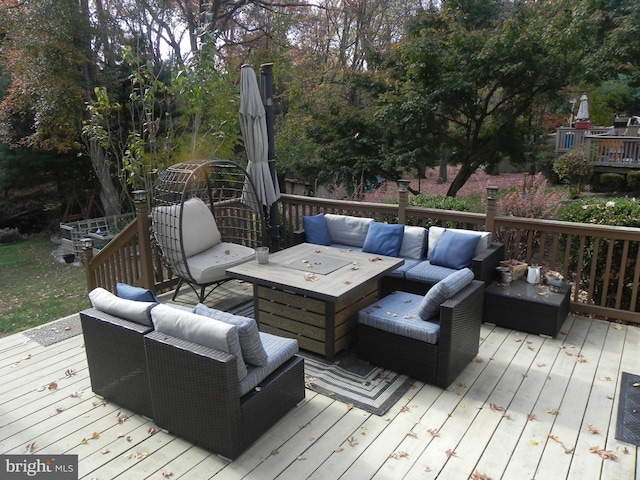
<point>349,379</point>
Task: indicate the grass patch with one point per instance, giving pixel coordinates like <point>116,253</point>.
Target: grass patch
<point>35,288</point>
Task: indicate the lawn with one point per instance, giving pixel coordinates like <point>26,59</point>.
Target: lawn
<point>36,288</point>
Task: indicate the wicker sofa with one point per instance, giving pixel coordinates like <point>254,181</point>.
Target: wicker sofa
<point>192,373</point>
<point>432,337</point>
<point>416,245</point>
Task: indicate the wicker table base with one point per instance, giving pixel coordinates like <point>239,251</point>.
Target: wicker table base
<point>525,307</point>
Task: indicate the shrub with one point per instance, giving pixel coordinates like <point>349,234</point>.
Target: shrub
<point>575,169</point>
<point>441,202</point>
<point>633,181</point>
<point>10,235</point>
<point>535,202</point>
<point>612,182</point>
<point>624,212</point>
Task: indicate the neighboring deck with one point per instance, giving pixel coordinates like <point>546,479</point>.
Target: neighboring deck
<point>528,407</point>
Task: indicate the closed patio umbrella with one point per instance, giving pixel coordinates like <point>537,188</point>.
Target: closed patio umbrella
<point>583,110</point>
<point>253,124</point>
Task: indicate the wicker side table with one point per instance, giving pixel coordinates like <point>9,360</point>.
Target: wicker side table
<point>525,307</point>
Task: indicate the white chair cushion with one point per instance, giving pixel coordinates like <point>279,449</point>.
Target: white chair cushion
<point>348,230</point>
<point>201,330</point>
<point>199,230</point>
<point>436,232</point>
<point>211,265</point>
<point>413,242</point>
<point>132,310</point>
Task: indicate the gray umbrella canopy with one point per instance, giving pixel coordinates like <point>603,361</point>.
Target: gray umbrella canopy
<point>253,124</point>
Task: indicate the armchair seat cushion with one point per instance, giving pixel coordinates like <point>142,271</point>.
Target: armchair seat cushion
<point>279,350</point>
<point>397,313</point>
<point>401,271</point>
<point>426,272</point>
<point>211,265</point>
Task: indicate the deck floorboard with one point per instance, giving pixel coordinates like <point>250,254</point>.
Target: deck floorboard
<point>527,407</point>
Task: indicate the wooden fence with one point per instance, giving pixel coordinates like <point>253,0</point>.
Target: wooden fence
<point>600,261</point>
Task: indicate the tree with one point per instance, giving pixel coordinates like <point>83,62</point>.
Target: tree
<point>476,69</point>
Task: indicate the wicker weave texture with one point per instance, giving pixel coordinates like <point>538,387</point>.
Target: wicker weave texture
<point>116,360</point>
<point>195,395</point>
<point>460,319</point>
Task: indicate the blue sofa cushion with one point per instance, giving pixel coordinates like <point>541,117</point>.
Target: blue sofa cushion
<point>402,270</point>
<point>441,291</point>
<point>454,250</point>
<point>398,314</point>
<point>384,239</point>
<point>315,229</point>
<point>253,351</point>
<point>138,294</point>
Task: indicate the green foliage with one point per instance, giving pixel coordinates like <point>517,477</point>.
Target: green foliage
<point>623,212</point>
<point>10,235</point>
<point>633,181</point>
<point>575,169</point>
<point>441,202</point>
<point>612,182</point>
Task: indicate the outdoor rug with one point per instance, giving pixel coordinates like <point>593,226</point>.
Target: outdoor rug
<point>628,425</point>
<point>57,331</point>
<point>354,382</point>
<point>349,379</point>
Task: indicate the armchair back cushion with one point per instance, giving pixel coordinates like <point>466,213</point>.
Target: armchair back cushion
<point>200,330</point>
<point>253,351</point>
<point>347,230</point>
<point>414,242</point>
<point>132,310</point>
<point>441,291</point>
<point>199,230</point>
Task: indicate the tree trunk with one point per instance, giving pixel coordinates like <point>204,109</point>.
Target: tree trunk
<point>109,196</point>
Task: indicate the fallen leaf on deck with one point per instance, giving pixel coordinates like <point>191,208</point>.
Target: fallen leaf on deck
<point>553,411</point>
<point>166,474</point>
<point>53,386</point>
<point>30,447</point>
<point>531,417</point>
<point>142,455</point>
<point>533,442</point>
<point>496,408</point>
<point>352,441</point>
<point>104,452</point>
<point>433,432</point>
<point>604,454</point>
<point>593,430</point>
<point>69,373</point>
<point>479,476</point>
<point>152,431</point>
<point>451,453</point>
<point>399,455</point>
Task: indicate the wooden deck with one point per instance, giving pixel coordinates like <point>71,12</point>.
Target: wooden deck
<point>528,407</point>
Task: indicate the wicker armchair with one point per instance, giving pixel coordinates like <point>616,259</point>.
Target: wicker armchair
<point>116,360</point>
<point>437,364</point>
<point>196,396</point>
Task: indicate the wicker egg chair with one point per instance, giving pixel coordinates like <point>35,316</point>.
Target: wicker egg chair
<point>205,218</point>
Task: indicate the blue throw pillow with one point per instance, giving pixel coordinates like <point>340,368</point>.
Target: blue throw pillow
<point>135,293</point>
<point>315,230</point>
<point>454,250</point>
<point>441,291</point>
<point>384,239</point>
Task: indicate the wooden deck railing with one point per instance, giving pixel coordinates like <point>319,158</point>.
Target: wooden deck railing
<point>614,149</point>
<point>600,261</point>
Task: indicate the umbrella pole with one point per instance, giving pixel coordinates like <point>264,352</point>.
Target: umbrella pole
<point>266,71</point>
